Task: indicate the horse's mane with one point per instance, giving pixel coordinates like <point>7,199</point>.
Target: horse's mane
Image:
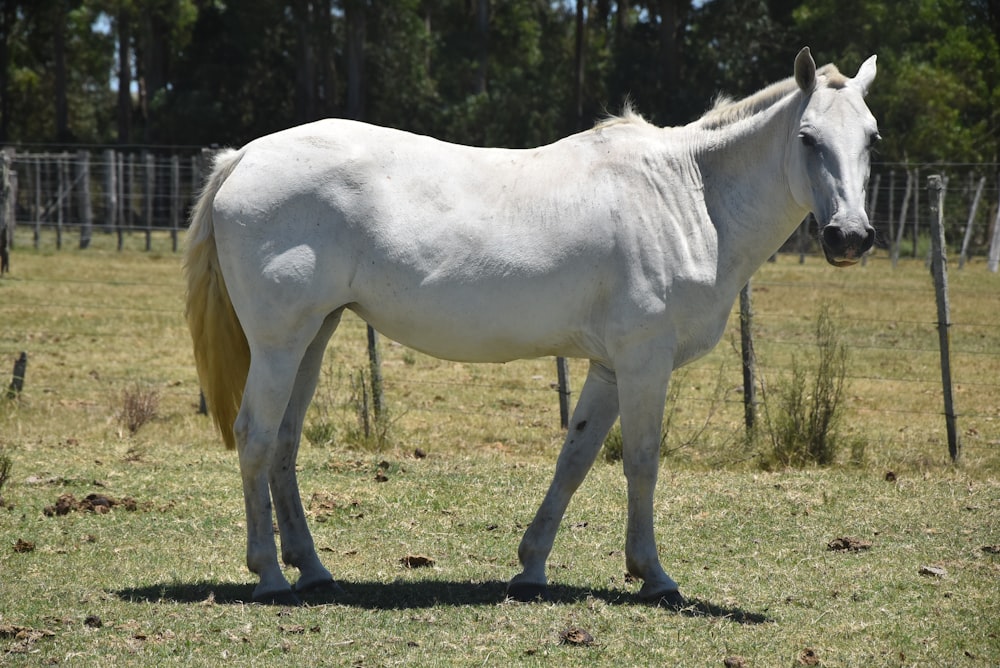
<point>726,111</point>
<point>628,115</point>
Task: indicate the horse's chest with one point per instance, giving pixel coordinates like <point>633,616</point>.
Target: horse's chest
<point>699,323</point>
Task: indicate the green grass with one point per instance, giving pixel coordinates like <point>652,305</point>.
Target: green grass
<point>168,584</point>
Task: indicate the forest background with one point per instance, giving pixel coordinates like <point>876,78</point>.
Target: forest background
<point>486,72</point>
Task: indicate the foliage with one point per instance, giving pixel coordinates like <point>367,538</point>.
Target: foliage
<point>204,73</point>
<point>369,428</point>
<point>139,405</point>
<point>6,466</point>
<point>803,430</point>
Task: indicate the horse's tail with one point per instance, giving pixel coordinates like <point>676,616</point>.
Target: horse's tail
<point>221,351</point>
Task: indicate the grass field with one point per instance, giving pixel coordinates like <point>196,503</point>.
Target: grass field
<point>159,578</point>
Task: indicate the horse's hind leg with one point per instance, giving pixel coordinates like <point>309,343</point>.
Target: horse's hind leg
<point>297,548</point>
<point>269,388</point>
<point>593,416</point>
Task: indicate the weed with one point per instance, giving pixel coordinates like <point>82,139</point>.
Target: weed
<point>809,406</point>
<point>373,425</point>
<point>6,465</point>
<point>371,430</point>
<point>139,406</point>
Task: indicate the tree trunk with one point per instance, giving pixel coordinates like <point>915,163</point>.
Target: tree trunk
<point>669,47</point>
<point>580,49</point>
<point>305,65</point>
<point>59,55</point>
<point>483,36</point>
<point>124,76</point>
<point>355,20</point>
<point>8,15</point>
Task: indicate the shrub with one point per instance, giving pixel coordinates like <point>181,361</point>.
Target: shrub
<point>6,465</point>
<point>370,430</point>
<point>139,406</point>
<point>809,405</point>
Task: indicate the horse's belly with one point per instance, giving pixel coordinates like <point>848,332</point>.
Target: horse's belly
<point>487,330</point>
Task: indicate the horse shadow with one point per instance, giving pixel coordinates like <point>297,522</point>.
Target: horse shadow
<point>421,594</point>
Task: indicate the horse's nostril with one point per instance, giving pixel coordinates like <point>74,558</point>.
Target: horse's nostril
<point>833,237</point>
<point>869,240</point>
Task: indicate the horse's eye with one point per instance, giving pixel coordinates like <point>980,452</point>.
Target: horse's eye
<point>874,139</point>
<point>807,139</point>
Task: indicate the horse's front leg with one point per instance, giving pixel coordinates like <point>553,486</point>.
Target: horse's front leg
<point>642,394</point>
<point>593,416</point>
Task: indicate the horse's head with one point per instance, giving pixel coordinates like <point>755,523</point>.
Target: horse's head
<point>828,160</point>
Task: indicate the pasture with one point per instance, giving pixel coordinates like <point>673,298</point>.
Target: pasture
<point>423,545</point>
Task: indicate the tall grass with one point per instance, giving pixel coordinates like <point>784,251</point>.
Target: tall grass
<point>802,425</point>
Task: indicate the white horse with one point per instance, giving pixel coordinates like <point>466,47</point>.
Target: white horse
<point>625,245</point>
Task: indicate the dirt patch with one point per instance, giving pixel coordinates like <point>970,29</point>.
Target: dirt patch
<point>576,636</point>
<point>24,637</point>
<point>808,657</point>
<point>22,546</point>
<point>848,544</point>
<point>416,561</point>
<point>94,503</point>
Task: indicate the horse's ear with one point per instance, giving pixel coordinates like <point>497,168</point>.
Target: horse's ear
<point>866,74</point>
<point>805,70</point>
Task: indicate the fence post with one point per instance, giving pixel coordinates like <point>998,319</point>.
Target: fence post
<point>940,269</point>
<point>7,195</point>
<point>963,256</point>
<point>562,377</point>
<point>85,212</point>
<point>902,219</point>
<point>375,363</point>
<point>38,201</point>
<point>110,189</point>
<point>993,261</point>
<point>872,200</point>
<point>148,196</point>
<point>17,381</point>
<point>916,208</point>
<point>749,360</point>
<point>61,191</point>
<point>124,201</point>
<point>175,199</point>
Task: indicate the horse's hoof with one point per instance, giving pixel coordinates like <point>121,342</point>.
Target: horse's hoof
<point>527,592</point>
<point>671,600</point>
<point>285,597</point>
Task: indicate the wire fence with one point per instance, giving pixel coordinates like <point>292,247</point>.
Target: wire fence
<point>61,193</point>
<point>150,189</point>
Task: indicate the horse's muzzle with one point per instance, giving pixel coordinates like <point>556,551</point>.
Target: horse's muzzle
<point>845,242</point>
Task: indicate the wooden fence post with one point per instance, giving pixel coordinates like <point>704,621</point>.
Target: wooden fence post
<point>940,269</point>
<point>17,381</point>
<point>175,199</point>
<point>872,201</point>
<point>916,208</point>
<point>562,377</point>
<point>375,364</point>
<point>7,196</point>
<point>84,210</point>
<point>902,219</point>
<point>122,218</point>
<point>61,189</point>
<point>110,189</point>
<point>993,260</point>
<point>148,196</point>
<point>749,360</point>
<point>963,256</point>
<point>38,201</point>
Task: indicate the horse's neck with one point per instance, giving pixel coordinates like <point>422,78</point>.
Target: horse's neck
<point>746,190</point>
